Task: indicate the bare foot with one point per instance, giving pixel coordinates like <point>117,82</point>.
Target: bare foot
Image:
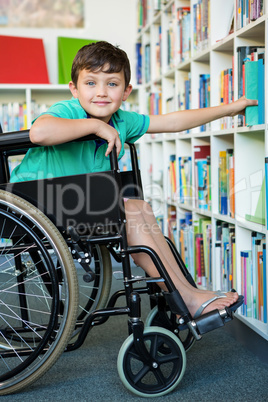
<point>197,299</point>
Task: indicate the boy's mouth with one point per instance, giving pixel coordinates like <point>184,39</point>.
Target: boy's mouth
<point>101,103</point>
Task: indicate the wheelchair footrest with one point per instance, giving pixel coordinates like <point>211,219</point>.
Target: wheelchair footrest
<point>210,321</point>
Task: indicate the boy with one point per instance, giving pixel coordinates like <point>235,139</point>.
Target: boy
<point>100,82</point>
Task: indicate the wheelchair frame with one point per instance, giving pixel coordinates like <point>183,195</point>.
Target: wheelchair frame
<point>164,359</point>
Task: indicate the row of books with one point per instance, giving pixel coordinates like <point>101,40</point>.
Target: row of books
<point>201,24</point>
<point>225,255</point>
<point>142,13</point>
<point>13,115</point>
<point>179,36</point>
<point>226,86</point>
<point>195,242</point>
<point>247,11</point>
<point>254,278</point>
<point>184,94</point>
<point>146,9</point>
<point>180,184</point>
<point>195,246</point>
<point>154,103</point>
<point>184,34</point>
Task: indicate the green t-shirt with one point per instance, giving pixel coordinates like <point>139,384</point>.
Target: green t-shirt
<point>77,157</point>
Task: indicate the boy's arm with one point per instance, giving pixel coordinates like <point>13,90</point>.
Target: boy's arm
<point>187,119</point>
<point>48,130</point>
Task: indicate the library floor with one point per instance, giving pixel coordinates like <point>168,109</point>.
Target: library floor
<point>218,369</point>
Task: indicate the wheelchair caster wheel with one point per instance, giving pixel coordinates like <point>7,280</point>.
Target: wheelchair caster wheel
<point>185,336</point>
<point>166,371</point>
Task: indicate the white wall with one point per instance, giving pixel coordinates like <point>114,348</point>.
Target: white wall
<point>111,20</point>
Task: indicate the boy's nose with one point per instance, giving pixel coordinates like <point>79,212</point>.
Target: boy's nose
<point>101,90</point>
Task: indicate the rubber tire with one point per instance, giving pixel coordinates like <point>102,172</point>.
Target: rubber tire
<point>129,342</point>
<point>48,229</point>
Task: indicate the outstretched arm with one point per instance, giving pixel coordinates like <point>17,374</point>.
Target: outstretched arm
<point>187,119</point>
<point>49,130</point>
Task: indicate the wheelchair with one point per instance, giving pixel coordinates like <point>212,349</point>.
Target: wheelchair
<point>57,239</point>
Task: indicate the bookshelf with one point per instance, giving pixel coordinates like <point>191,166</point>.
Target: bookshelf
<point>228,218</point>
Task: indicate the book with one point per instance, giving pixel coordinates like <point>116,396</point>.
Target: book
<point>23,61</point>
<point>223,209</point>
<point>201,165</point>
<point>244,55</point>
<point>67,49</point>
<point>251,92</point>
<point>172,175</point>
<point>254,277</point>
<point>139,63</point>
<point>185,179</point>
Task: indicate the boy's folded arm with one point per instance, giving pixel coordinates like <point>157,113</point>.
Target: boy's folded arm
<point>49,130</point>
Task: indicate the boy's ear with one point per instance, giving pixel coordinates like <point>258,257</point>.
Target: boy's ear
<point>127,92</point>
<point>73,89</point>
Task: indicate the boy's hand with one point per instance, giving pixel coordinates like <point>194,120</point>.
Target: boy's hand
<point>109,134</point>
<point>238,107</point>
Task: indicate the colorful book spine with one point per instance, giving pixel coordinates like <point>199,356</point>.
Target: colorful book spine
<point>155,103</point>
<point>204,95</point>
<point>223,209</point>
<point>201,165</point>
<point>186,242</point>
<point>202,252</point>
<point>226,256</point>
<point>226,95</point>
<point>247,11</point>
<point>172,177</point>
<point>183,33</point>
<point>172,225</point>
<point>139,63</point>
<point>147,63</point>
<point>185,179</point>
<point>254,278</point>
<point>201,26</point>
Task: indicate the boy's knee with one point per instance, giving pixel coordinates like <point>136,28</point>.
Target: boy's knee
<point>138,206</point>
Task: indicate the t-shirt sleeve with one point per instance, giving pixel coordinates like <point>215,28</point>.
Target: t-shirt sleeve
<point>136,125</point>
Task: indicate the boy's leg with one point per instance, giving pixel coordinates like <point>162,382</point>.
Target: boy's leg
<point>142,229</point>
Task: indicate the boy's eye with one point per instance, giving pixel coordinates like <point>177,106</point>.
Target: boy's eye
<point>112,84</point>
<point>90,83</point>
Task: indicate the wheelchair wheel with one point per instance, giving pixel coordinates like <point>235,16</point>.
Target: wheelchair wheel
<point>185,336</point>
<point>38,299</point>
<point>169,363</point>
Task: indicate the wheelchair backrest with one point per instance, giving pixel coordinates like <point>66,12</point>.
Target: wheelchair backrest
<point>88,202</point>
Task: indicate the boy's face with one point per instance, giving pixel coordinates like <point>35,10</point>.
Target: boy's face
<point>99,93</point>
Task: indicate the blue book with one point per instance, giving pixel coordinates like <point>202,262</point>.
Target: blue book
<point>202,182</point>
<point>261,102</point>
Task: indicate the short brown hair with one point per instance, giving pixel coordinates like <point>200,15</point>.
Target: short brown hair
<point>99,55</point>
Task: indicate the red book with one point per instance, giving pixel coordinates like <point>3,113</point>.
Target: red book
<point>23,61</point>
